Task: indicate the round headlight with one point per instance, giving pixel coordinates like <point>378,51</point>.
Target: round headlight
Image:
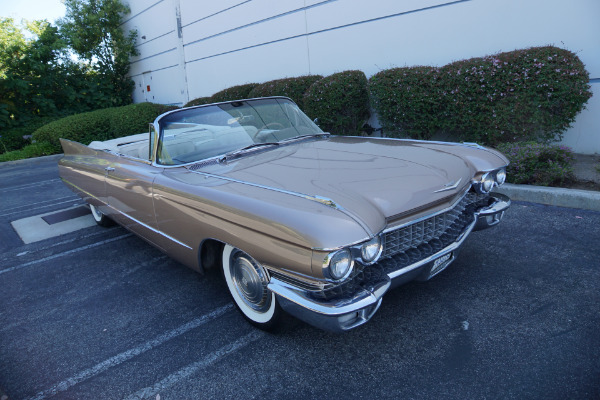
<point>487,183</point>
<point>500,177</point>
<point>369,252</point>
<point>340,264</point>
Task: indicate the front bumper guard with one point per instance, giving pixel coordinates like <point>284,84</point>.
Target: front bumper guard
<point>340,315</point>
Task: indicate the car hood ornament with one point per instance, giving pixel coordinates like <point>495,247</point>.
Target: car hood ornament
<point>449,186</point>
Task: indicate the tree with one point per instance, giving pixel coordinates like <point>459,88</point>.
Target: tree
<point>93,31</point>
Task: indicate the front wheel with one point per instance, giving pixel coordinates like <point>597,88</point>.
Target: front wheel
<point>247,282</point>
<point>99,217</point>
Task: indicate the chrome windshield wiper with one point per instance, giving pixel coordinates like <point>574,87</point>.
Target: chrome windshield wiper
<point>244,149</point>
<point>305,136</point>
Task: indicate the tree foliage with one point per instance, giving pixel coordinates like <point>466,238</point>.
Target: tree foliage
<point>53,71</point>
<point>93,31</point>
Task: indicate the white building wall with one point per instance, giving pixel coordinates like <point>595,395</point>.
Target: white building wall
<point>230,42</point>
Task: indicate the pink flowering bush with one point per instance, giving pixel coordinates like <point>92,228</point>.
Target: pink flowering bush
<point>340,102</point>
<point>538,164</point>
<point>524,95</point>
<point>294,88</point>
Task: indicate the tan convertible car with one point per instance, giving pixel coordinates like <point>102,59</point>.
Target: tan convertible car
<point>299,220</point>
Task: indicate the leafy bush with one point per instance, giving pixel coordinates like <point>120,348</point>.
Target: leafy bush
<point>198,102</point>
<point>340,102</point>
<point>294,88</point>
<point>523,95</point>
<point>537,163</point>
<point>405,101</point>
<point>29,151</point>
<point>233,93</point>
<point>15,138</point>
<point>134,118</point>
<point>105,124</point>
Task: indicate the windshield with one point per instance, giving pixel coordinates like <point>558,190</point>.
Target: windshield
<point>199,133</point>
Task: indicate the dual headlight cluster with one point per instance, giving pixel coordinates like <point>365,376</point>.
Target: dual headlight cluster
<point>338,264</point>
<point>488,180</point>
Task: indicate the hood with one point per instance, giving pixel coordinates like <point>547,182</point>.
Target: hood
<point>374,181</point>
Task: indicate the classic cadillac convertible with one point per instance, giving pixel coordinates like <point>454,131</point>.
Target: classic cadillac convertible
<point>319,226</point>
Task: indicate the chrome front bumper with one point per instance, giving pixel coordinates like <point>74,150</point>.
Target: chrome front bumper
<point>340,315</point>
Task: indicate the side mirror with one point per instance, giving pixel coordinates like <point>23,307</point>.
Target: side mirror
<point>316,121</point>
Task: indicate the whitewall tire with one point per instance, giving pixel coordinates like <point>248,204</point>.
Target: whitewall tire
<point>99,217</point>
<point>247,282</point>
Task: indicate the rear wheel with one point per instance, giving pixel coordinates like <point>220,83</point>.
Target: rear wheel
<point>247,282</point>
<point>99,217</point>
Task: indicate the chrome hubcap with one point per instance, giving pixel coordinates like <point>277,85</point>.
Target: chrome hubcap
<point>250,282</point>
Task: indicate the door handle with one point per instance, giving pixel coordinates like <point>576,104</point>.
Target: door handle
<point>109,169</point>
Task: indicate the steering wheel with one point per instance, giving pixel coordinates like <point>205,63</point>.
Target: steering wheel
<point>270,125</point>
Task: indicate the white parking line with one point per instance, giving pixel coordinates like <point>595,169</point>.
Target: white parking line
<point>120,358</point>
<point>152,391</point>
<point>89,246</point>
<point>6,256</point>
<point>41,202</point>
<point>76,199</point>
<point>30,185</point>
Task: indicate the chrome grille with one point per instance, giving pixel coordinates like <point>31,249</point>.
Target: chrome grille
<point>412,236</point>
<point>412,243</point>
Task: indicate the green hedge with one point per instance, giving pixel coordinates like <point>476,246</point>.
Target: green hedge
<point>13,138</point>
<point>29,151</point>
<point>340,102</point>
<point>238,92</point>
<point>294,88</point>
<point>537,163</point>
<point>405,102</point>
<point>523,95</point>
<point>108,123</point>
<point>198,102</point>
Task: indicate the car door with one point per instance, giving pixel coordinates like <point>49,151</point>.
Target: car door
<point>129,192</point>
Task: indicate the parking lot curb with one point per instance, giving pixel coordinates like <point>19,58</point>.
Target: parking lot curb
<point>561,197</point>
<point>34,160</point>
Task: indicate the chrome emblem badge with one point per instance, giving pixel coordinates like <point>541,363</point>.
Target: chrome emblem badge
<point>449,186</point>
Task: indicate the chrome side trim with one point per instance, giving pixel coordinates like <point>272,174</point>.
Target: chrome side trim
<point>150,228</point>
<point>319,199</point>
<point>129,216</point>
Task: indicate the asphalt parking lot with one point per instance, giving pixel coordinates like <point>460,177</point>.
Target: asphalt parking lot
<point>98,313</point>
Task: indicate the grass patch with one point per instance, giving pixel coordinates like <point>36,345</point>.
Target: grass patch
<point>29,151</point>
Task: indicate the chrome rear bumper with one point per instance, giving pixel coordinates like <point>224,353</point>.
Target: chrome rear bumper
<point>340,315</point>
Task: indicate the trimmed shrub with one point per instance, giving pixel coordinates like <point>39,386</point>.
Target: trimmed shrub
<point>105,124</point>
<point>406,102</point>
<point>15,138</point>
<point>538,164</point>
<point>340,102</point>
<point>29,151</point>
<point>294,88</point>
<point>238,92</point>
<point>523,95</point>
<point>198,102</point>
<point>134,118</point>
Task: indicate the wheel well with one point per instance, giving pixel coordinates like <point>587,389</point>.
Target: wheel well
<point>210,254</point>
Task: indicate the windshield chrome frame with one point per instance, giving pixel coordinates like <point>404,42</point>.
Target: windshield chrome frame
<point>158,137</point>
